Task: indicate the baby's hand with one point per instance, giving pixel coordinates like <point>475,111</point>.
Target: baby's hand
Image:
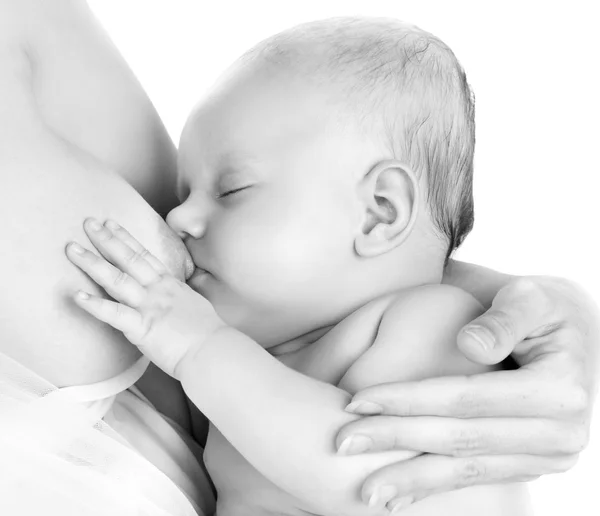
<point>162,316</point>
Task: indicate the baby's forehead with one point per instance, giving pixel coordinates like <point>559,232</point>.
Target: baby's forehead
<point>217,157</point>
<point>245,118</point>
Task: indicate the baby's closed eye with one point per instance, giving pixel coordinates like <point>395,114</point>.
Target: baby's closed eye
<point>227,192</point>
<point>232,183</point>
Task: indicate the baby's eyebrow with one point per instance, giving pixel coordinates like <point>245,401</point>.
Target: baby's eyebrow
<point>237,163</point>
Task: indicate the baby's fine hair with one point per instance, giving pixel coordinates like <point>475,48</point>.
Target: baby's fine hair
<point>407,89</point>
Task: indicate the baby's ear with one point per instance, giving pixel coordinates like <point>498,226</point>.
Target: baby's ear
<point>390,194</point>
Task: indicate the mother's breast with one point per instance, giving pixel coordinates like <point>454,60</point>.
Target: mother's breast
<point>176,257</point>
<point>47,189</point>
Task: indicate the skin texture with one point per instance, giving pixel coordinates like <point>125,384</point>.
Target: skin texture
<point>227,229</point>
<point>78,136</point>
<point>541,412</point>
<point>283,207</point>
<point>44,211</point>
<point>269,474</point>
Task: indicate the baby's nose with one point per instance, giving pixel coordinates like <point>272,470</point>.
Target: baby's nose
<point>187,220</point>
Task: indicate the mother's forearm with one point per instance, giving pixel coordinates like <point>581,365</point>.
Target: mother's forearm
<point>480,282</point>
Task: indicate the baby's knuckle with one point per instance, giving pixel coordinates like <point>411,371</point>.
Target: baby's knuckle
<point>172,284</point>
<point>149,319</point>
<point>471,471</point>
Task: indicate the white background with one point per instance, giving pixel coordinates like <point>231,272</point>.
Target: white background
<point>534,69</point>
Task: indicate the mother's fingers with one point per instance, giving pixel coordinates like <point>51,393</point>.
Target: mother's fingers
<point>521,310</point>
<point>133,262</point>
<point>519,393</point>
<point>116,283</point>
<point>415,479</point>
<point>460,437</point>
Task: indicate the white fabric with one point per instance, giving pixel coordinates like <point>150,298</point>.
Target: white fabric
<point>58,457</point>
<point>164,443</point>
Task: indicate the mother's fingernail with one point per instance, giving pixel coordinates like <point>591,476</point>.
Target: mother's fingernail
<point>382,495</point>
<point>398,504</point>
<point>355,444</point>
<point>76,248</point>
<point>94,225</point>
<point>365,408</point>
<point>482,336</point>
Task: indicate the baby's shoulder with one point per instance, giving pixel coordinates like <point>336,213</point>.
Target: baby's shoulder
<point>430,300</point>
<point>328,358</point>
<point>416,338</point>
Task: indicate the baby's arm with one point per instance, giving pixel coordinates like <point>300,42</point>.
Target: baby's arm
<point>284,423</point>
<point>297,418</point>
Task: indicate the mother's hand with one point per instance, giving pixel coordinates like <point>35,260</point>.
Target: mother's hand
<point>502,426</point>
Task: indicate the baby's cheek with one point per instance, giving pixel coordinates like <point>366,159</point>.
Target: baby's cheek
<point>273,258</point>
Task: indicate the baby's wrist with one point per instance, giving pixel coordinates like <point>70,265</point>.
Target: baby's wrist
<point>189,365</point>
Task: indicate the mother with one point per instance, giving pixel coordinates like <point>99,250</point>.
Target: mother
<point>78,137</point>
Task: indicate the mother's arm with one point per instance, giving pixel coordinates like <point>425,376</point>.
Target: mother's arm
<point>514,425</point>
<point>86,94</point>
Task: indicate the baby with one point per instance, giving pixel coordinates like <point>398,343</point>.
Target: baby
<point>324,183</point>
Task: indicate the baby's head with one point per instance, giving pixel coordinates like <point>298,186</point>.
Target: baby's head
<point>331,164</point>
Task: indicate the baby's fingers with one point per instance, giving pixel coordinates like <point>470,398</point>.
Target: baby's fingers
<point>125,236</point>
<point>117,315</point>
<point>116,283</point>
<point>134,262</point>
